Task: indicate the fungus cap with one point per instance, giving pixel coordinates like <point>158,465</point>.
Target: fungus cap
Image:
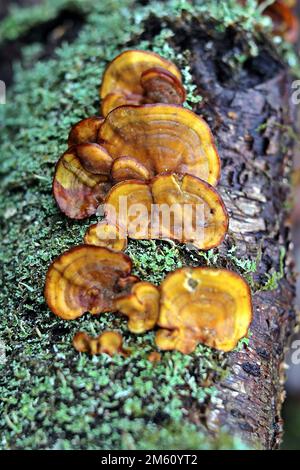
<point>127,168</point>
<point>108,342</point>
<point>123,74</point>
<point>107,235</point>
<point>141,306</point>
<point>178,207</point>
<point>199,216</point>
<point>138,77</point>
<point>161,86</point>
<point>77,191</point>
<point>203,305</point>
<point>85,131</point>
<point>154,357</point>
<point>163,138</point>
<point>128,204</point>
<point>285,22</point>
<point>87,279</point>
<point>94,158</point>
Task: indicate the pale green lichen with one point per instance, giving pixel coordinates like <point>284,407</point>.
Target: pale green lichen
<point>153,259</point>
<point>274,277</point>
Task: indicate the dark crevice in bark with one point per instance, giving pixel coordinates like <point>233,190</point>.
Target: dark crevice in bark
<point>50,34</point>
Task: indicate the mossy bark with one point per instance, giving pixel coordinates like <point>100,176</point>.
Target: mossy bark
<point>249,113</point>
<point>51,397</point>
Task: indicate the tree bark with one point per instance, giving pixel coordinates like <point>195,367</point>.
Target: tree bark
<point>250,112</point>
<point>246,101</point>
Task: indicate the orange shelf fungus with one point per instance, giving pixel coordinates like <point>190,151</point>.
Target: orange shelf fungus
<point>161,86</point>
<point>178,207</point>
<point>154,165</point>
<point>133,143</point>
<point>285,21</point>
<point>85,131</point>
<point>106,234</point>
<point>77,191</point>
<point>114,100</point>
<point>87,279</point>
<point>127,168</point>
<point>141,306</point>
<point>139,77</point>
<point>94,159</point>
<point>109,342</point>
<point>203,305</point>
<point>154,357</point>
<point>199,216</point>
<point>128,205</point>
<point>124,72</point>
<point>163,138</point>
<point>284,18</point>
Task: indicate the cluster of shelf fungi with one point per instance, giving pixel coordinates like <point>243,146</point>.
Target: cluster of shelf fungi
<point>149,150</point>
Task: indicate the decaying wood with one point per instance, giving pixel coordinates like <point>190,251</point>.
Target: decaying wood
<point>249,110</point>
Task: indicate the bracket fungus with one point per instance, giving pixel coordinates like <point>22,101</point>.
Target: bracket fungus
<point>161,86</point>
<point>107,235</point>
<point>284,17</point>
<point>163,163</point>
<point>108,342</point>
<point>163,138</point>
<point>139,77</point>
<point>178,207</point>
<point>87,279</point>
<point>94,158</point>
<point>285,21</point>
<point>141,306</point>
<point>203,305</point>
<point>85,131</point>
<point>77,189</point>
<point>127,168</point>
<point>134,142</point>
<point>120,205</point>
<point>114,100</point>
<point>154,357</point>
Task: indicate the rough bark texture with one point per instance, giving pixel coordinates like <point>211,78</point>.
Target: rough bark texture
<point>50,397</point>
<point>249,113</point>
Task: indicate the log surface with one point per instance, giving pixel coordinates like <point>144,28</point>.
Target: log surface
<point>52,397</point>
<point>249,112</point>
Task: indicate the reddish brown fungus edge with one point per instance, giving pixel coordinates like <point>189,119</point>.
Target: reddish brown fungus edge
<point>47,288</point>
<point>203,268</point>
<point>179,175</point>
<point>208,186</point>
<point>150,53</point>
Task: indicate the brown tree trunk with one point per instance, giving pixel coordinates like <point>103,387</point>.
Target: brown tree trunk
<point>246,101</point>
<point>250,112</point>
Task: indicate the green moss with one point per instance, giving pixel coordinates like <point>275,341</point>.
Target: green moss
<point>50,396</point>
<point>20,20</point>
<point>187,437</point>
<point>99,402</point>
<point>274,277</point>
<point>153,259</point>
<point>161,46</point>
